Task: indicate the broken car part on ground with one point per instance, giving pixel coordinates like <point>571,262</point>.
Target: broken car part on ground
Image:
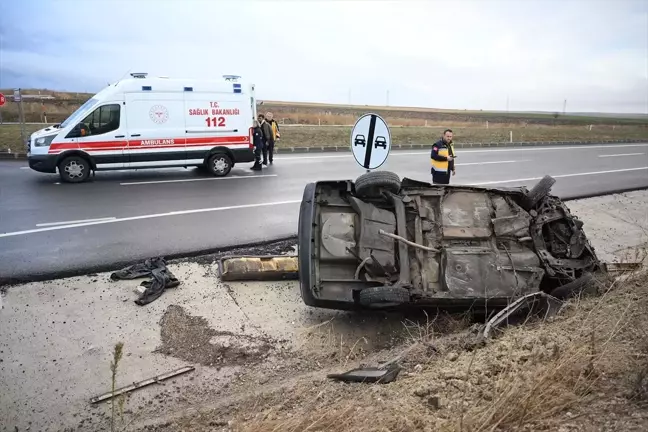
<point>144,383</point>
<point>268,267</point>
<point>156,269</point>
<point>382,242</point>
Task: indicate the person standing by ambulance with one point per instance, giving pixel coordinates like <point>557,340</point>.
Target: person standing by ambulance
<point>258,142</point>
<point>268,138</point>
<point>442,159</point>
<point>275,134</point>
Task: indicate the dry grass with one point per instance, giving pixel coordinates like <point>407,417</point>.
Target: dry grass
<point>585,369</point>
<point>310,125</point>
<point>314,136</point>
<point>567,370</point>
<point>10,137</point>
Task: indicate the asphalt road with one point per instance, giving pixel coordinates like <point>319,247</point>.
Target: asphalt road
<point>49,228</point>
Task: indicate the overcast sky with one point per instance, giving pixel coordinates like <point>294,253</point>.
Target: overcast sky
<point>447,54</point>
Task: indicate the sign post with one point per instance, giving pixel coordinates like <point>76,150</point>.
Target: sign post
<point>17,96</point>
<point>370,141</point>
<point>2,102</point>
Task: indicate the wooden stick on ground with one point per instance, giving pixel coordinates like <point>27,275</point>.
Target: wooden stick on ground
<point>138,385</point>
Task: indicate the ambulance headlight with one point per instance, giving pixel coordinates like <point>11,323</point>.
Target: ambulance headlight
<point>44,141</point>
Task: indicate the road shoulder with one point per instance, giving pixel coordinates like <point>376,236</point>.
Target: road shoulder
<point>246,340</point>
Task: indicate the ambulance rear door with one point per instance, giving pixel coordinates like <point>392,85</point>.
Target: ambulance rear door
<point>215,119</point>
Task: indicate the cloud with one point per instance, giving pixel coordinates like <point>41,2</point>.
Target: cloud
<point>461,54</point>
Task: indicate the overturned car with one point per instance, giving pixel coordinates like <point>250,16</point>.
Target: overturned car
<point>381,242</point>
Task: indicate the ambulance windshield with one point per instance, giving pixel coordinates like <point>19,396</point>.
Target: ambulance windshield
<point>76,115</point>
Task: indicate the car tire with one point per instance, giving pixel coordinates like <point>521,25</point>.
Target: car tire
<point>383,296</point>
<point>304,227</point>
<point>538,192</point>
<point>219,164</point>
<point>373,183</point>
<point>572,288</point>
<point>74,169</point>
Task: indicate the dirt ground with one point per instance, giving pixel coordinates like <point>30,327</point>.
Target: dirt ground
<point>261,356</point>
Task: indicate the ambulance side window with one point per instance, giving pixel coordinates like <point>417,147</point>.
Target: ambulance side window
<point>103,120</point>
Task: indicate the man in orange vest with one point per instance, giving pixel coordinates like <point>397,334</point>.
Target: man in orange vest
<point>442,159</point>
<point>275,134</point>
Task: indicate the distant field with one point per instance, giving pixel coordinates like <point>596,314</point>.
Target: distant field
<point>311,136</point>
<point>10,137</point>
<point>315,113</point>
<point>65,103</point>
<point>302,122</point>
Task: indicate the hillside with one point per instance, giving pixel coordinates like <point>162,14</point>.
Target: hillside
<point>304,123</point>
<point>65,103</point>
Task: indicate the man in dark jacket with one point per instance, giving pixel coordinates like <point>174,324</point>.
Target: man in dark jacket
<point>268,138</point>
<point>257,137</point>
<point>442,159</point>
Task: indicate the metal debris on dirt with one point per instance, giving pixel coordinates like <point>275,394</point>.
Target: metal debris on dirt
<point>611,267</point>
<point>369,374</point>
<point>532,304</point>
<point>266,267</point>
<point>160,278</point>
<point>141,384</point>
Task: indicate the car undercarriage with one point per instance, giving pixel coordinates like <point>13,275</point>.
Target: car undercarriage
<point>380,242</point>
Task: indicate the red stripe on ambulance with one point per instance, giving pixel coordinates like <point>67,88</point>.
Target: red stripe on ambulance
<point>238,141</point>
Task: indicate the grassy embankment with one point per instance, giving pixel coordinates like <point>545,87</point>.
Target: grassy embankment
<point>309,125</point>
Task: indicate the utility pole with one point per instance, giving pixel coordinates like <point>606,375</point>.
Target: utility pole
<point>564,106</point>
<point>21,115</point>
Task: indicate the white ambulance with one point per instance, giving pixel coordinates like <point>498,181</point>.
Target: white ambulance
<point>145,122</point>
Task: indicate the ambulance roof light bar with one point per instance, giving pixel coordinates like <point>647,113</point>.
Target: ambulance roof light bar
<point>231,77</point>
<point>139,75</point>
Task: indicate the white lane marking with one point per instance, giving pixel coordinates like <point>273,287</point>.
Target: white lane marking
<point>149,216</point>
<point>463,151</point>
<point>345,155</point>
<point>198,179</point>
<point>24,167</point>
<point>492,162</point>
<point>559,176</point>
<point>205,210</point>
<point>623,154</point>
<point>73,222</point>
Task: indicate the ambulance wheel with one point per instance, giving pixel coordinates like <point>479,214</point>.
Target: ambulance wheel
<point>219,164</point>
<point>74,169</point>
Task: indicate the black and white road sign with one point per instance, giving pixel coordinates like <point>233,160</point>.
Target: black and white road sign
<point>370,141</point>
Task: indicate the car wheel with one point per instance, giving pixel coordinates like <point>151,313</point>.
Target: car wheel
<point>219,164</point>
<point>373,183</point>
<point>383,296</point>
<point>304,232</point>
<point>538,192</point>
<point>572,288</point>
<point>74,169</point>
